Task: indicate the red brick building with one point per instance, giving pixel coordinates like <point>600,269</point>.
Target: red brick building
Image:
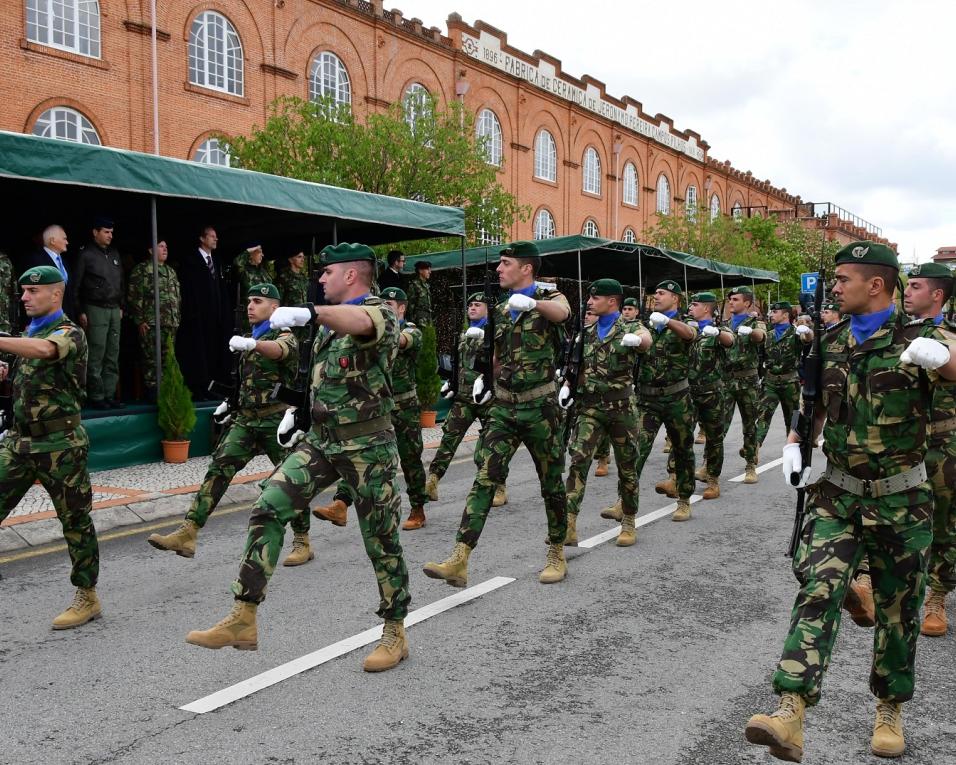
<point>584,160</point>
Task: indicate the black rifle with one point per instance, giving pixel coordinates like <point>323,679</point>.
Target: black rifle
<point>803,422</point>
<point>6,385</point>
<point>485,360</point>
<point>230,391</point>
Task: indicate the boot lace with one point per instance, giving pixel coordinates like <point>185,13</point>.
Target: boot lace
<point>863,580</point>
<point>789,707</point>
<point>390,636</point>
<point>299,543</point>
<point>81,599</point>
<point>554,556</point>
<point>887,714</point>
<point>935,604</point>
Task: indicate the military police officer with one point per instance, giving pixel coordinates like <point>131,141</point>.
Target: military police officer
<point>250,269</point>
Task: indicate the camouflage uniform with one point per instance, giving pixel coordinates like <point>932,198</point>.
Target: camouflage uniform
<point>877,413</point>
<point>419,302</point>
<point>249,275</point>
<point>407,417</point>
<point>6,293</point>
<point>781,384</point>
<point>525,411</point>
<point>48,444</point>
<point>351,438</point>
<point>605,408</point>
<point>741,388</point>
<point>139,300</point>
<point>253,428</point>
<point>294,290</point>
<point>603,450</point>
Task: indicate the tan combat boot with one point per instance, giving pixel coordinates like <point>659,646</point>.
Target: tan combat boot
<point>628,534</point>
<point>782,731</point>
<point>501,496</point>
<point>416,519</point>
<point>713,489</point>
<point>887,738</point>
<point>701,474</point>
<point>859,601</point>
<point>85,608</point>
<point>391,649</point>
<point>601,470</point>
<point>750,474</point>
<point>556,568</point>
<point>431,487</point>
<point>668,487</point>
<point>682,513</point>
<point>615,512</point>
<point>301,550</point>
<point>182,541</point>
<point>934,615</point>
<point>454,570</point>
<point>571,536</point>
<point>336,512</point>
<point>238,630</point>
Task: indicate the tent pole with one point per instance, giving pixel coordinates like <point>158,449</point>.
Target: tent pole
<point>335,233</point>
<point>685,280</point>
<point>640,281</point>
<point>156,317</point>
<point>464,279</point>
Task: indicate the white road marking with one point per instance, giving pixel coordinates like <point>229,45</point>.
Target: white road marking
<point>642,520</point>
<point>760,469</point>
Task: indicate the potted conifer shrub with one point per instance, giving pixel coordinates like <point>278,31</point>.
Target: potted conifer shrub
<point>177,414</point>
<point>428,383</point>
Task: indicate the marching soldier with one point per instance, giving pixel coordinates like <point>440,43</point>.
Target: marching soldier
<point>524,410</point>
<point>830,314</point>
<point>605,405</point>
<point>420,295</point>
<point>741,366</point>
<point>873,498</point>
<point>351,438</point>
<point>630,309</point>
<point>251,269</point>
<point>268,357</point>
<point>139,301</point>
<point>45,441</point>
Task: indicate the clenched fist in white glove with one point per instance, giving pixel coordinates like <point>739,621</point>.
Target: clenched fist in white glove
<point>519,302</point>
<point>446,391</point>
<point>239,343</point>
<point>802,329</point>
<point>286,434</point>
<point>478,393</point>
<point>290,316</point>
<point>926,353</point>
<point>564,397</point>
<point>222,415</point>
<point>793,463</point>
<point>710,331</point>
<point>632,340</point>
<point>476,333</point>
<point>743,330</point>
<point>658,319</point>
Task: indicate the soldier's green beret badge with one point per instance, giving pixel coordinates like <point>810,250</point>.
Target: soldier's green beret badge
<point>703,297</point>
<point>631,302</point>
<point>831,307</point>
<point>346,253</point>
<point>521,250</point>
<point>265,290</point>
<point>476,297</point>
<point>867,253</point>
<point>41,275</point>
<point>743,290</point>
<point>671,286</point>
<point>604,287</point>
<point>780,305</point>
<point>394,293</point>
<point>931,271</point>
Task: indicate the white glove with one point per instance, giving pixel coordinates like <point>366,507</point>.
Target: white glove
<point>478,393</point>
<point>446,391</point>
<point>793,463</point>
<point>925,352</point>
<point>519,302</point>
<point>290,316</point>
<point>743,330</point>
<point>632,340</point>
<point>564,397</point>
<point>285,433</point>
<point>239,343</point>
<point>802,329</point>
<point>658,319</point>
<point>710,331</point>
<point>221,415</point>
<point>475,332</point>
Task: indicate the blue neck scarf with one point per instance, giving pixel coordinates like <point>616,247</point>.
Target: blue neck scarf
<point>669,315</point>
<point>478,322</point>
<point>703,323</point>
<point>258,330</point>
<point>863,325</point>
<point>356,301</point>
<point>831,324</point>
<point>527,292</point>
<point>42,322</point>
<point>737,319</point>
<point>779,329</point>
<point>604,323</point>
<point>937,320</point>
<point>401,323</point>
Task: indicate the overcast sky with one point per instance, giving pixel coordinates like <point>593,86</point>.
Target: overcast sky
<point>845,102</point>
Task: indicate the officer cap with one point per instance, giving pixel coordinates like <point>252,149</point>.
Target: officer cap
<point>41,275</point>
<point>671,286</point>
<point>101,221</point>
<point>521,250</point>
<point>703,297</point>
<point>255,244</point>
<point>606,287</point>
<point>867,253</point>
<point>631,302</point>
<point>780,305</point>
<point>346,253</point>
<point>394,293</point>
<point>742,290</point>
<point>931,271</point>
<point>264,290</point>
<point>476,297</point>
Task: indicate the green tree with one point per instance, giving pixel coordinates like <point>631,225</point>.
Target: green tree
<point>176,413</point>
<point>427,381</point>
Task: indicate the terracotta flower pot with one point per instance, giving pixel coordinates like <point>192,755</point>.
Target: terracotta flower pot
<point>428,419</point>
<point>175,451</point>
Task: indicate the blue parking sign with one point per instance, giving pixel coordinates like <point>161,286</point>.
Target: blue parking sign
<point>808,282</point>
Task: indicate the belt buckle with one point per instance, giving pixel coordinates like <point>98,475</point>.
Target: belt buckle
<point>867,487</point>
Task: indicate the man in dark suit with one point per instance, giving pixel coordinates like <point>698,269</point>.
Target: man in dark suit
<point>53,253</point>
<point>391,275</point>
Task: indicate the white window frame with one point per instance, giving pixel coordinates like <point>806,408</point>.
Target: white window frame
<point>488,127</point>
<point>690,202</point>
<point>415,100</point>
<point>590,228</point>
<point>328,77</point>
<point>545,156</point>
<point>70,25</point>
<point>629,236</point>
<point>54,121</point>
<point>215,56</point>
<point>211,152</point>
<point>714,207</point>
<point>629,193</point>
<point>663,195</point>
<point>737,211</point>
<point>544,227</point>
<point>591,171</point>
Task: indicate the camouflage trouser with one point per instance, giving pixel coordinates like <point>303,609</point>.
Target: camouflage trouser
<point>457,422</point>
<point>676,414</point>
<point>65,477</point>
<point>370,472</point>
<point>835,540</point>
<point>407,421</point>
<point>603,448</point>
<point>787,396</point>
<point>710,414</point>
<point>742,393</point>
<point>941,466</point>
<point>536,425</point>
<point>614,423</point>
<point>148,346</point>
<point>238,445</point>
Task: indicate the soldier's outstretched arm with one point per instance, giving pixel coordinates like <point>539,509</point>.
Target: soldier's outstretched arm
<point>28,347</point>
<point>726,337</point>
<point>555,311</point>
<point>346,319</point>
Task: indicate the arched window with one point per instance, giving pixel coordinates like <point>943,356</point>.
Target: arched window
<point>72,25</point>
<point>488,128</point>
<point>66,124</point>
<point>629,236</point>
<point>630,184</point>
<point>737,211</point>
<point>484,236</point>
<point>592,171</point>
<point>690,202</point>
<point>415,102</point>
<point>215,54</point>
<point>714,207</point>
<point>329,80</point>
<point>590,228</point>
<point>545,157</point>
<point>211,152</point>
<point>663,195</point>
<point>543,225</point>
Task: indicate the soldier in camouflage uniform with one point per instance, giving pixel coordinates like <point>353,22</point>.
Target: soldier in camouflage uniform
<point>741,373</point>
<point>873,498</point>
<point>351,438</point>
<point>141,308</point>
<point>830,315</point>
<point>524,411</point>
<point>420,295</point>
<point>293,284</point>
<point>781,383</point>
<point>6,293</point>
<point>45,441</point>
<point>268,357</point>
<point>250,269</point>
<point>605,405</point>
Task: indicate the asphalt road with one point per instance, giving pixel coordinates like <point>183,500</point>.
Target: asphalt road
<point>652,654</point>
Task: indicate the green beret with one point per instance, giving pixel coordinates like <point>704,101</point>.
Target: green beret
<point>831,307</point>
<point>346,253</point>
<point>606,287</point>
<point>476,297</point>
<point>632,302</point>
<point>265,290</point>
<point>931,271</point>
<point>742,290</point>
<point>703,297</point>
<point>521,250</point>
<point>41,275</point>
<point>671,286</point>
<point>394,293</point>
<point>868,253</point>
<point>780,305</point>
